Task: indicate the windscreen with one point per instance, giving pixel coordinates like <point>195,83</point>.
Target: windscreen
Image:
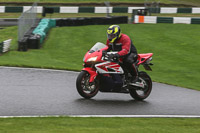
<point>97,47</point>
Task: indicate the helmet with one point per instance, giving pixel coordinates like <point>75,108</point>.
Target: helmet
<point>113,33</point>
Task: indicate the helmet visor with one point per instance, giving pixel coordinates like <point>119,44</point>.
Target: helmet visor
<point>111,36</point>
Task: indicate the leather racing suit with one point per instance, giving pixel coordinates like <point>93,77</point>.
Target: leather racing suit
<point>126,51</point>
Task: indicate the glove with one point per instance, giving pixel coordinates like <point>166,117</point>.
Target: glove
<point>113,57</point>
<point>104,52</point>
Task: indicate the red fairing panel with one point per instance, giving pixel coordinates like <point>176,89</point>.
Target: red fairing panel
<point>143,57</point>
<point>92,73</point>
<point>103,68</point>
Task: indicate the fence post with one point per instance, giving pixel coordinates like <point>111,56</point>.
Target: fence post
<point>26,21</point>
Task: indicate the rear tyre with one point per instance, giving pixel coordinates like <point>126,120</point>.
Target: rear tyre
<point>84,87</point>
<point>142,93</point>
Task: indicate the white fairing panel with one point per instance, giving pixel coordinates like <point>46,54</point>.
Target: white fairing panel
<point>109,67</point>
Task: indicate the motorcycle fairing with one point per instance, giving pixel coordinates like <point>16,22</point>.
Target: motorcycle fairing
<point>92,73</point>
<point>109,67</point>
<point>144,57</point>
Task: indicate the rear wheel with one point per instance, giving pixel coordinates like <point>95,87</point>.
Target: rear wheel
<point>84,87</point>
<point>142,93</point>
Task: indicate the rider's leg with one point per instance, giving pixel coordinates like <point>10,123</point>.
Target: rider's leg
<point>130,64</point>
<point>132,69</point>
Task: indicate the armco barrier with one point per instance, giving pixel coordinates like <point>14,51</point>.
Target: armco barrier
<point>13,9</point>
<point>184,10</point>
<point>168,10</point>
<point>164,20</point>
<point>174,20</point>
<point>182,20</point>
<point>154,10</point>
<point>76,9</point>
<point>195,21</point>
<point>86,9</point>
<point>5,46</point>
<point>120,10</point>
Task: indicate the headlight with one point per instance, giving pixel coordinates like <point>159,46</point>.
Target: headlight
<point>92,59</point>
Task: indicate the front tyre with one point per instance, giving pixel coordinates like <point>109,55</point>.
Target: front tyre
<point>142,93</point>
<point>84,87</point>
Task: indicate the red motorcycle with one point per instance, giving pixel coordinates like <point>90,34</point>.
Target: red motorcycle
<point>105,75</point>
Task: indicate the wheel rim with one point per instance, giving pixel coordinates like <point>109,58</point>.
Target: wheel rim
<point>87,87</point>
<point>143,92</point>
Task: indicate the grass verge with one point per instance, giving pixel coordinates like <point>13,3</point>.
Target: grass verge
<point>99,125</point>
<point>175,48</point>
<point>71,15</point>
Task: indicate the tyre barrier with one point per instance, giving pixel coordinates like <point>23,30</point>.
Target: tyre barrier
<point>42,29</point>
<point>23,44</point>
<point>91,21</point>
<point>36,35</point>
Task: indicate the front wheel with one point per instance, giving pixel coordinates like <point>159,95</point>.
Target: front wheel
<point>142,93</point>
<point>84,87</point>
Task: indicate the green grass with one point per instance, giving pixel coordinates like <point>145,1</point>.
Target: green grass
<point>69,15</point>
<point>99,125</point>
<point>65,15</point>
<point>175,48</point>
<point>187,1</point>
<point>8,34</point>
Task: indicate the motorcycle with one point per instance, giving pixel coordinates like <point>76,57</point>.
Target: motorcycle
<point>108,75</point>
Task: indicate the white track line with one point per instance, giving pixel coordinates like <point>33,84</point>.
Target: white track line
<point>110,116</point>
<point>141,116</point>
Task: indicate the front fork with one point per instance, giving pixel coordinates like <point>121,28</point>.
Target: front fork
<point>92,72</point>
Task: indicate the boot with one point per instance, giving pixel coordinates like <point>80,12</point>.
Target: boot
<point>134,73</point>
<point>134,79</point>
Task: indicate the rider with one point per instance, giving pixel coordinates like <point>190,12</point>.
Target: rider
<point>120,42</point>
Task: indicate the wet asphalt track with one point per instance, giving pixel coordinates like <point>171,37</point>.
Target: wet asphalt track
<point>30,92</point>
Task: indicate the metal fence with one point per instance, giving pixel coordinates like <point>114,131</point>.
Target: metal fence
<point>27,20</point>
<point>153,7</point>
